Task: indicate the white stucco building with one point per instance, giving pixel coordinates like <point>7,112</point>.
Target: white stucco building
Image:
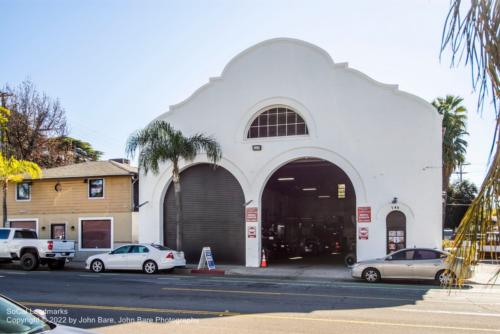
<point>318,151</point>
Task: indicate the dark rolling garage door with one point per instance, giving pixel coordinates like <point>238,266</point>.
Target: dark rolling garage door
<point>213,214</point>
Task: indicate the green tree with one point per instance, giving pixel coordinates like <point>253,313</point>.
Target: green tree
<point>66,150</point>
<point>13,170</point>
<point>471,31</point>
<point>459,197</point>
<point>454,130</point>
<point>160,143</point>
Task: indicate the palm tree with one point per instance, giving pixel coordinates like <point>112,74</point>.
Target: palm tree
<point>471,32</point>
<point>454,130</point>
<point>159,143</point>
<point>13,170</point>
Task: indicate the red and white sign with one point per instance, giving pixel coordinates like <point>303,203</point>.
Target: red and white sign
<point>363,233</point>
<point>364,214</point>
<point>252,215</point>
<point>252,232</point>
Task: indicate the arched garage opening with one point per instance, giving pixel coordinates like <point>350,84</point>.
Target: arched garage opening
<point>213,210</point>
<point>308,213</point>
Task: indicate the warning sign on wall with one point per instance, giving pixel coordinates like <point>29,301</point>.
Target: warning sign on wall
<point>363,233</point>
<point>252,232</point>
<point>364,214</point>
<point>251,215</point>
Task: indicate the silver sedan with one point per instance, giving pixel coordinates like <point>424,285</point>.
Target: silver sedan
<point>409,263</point>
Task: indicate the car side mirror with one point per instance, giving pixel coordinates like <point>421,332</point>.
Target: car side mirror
<point>389,258</point>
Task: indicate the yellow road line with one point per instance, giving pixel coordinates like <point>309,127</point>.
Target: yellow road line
<point>264,316</point>
<point>372,323</point>
<point>130,309</point>
<point>285,294</point>
<point>247,292</point>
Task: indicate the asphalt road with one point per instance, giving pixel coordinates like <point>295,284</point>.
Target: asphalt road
<point>165,303</point>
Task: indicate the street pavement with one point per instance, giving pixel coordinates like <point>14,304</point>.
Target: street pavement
<point>124,302</point>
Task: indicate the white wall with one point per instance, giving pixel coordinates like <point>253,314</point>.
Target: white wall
<point>387,141</point>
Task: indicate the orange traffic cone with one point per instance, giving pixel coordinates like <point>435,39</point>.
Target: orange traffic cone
<point>263,262</point>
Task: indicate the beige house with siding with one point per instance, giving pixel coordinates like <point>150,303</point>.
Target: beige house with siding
<point>94,203</point>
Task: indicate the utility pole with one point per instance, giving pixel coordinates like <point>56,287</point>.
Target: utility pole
<point>461,171</point>
<point>3,103</point>
<point>3,98</point>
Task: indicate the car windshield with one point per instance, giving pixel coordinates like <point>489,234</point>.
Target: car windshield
<point>160,247</point>
<point>15,319</point>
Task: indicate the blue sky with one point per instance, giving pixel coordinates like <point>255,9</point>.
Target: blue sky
<point>116,64</point>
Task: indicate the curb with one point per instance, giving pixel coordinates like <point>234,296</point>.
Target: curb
<point>214,272</point>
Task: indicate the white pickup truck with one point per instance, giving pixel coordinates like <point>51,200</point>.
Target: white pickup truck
<point>23,245</point>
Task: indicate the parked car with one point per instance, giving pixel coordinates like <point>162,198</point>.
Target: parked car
<point>409,263</point>
<point>15,318</point>
<point>149,258</point>
<point>24,245</point>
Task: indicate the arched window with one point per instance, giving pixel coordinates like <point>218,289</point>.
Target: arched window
<point>277,122</point>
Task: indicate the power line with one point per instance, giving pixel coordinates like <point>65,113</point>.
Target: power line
<point>461,170</point>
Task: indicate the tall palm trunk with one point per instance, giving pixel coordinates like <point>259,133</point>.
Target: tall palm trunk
<point>4,206</point>
<point>178,206</point>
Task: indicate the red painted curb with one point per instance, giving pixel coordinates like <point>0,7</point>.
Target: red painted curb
<point>216,272</point>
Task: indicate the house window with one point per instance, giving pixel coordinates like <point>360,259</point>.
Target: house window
<point>23,191</point>
<point>96,188</point>
<point>96,234</point>
<point>277,122</point>
<point>29,224</point>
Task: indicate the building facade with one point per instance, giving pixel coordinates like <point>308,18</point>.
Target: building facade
<point>314,152</point>
<point>92,203</point>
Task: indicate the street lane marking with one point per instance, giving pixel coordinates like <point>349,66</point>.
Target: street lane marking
<point>479,314</point>
<point>262,316</point>
<point>362,285</point>
<point>294,294</point>
<point>246,292</point>
<point>310,283</point>
<point>372,323</point>
<point>130,309</point>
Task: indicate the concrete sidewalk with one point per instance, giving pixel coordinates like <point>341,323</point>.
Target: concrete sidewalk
<point>291,271</point>
<point>486,274</point>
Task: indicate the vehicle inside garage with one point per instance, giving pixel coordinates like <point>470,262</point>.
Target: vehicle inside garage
<point>308,214</point>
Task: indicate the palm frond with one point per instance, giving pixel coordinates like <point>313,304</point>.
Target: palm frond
<point>159,142</point>
<point>207,144</point>
<point>478,225</point>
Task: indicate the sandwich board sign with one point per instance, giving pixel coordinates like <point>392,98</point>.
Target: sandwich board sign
<point>206,259</point>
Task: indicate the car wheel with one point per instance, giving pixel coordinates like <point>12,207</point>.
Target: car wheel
<point>445,277</point>
<point>371,275</point>
<point>29,261</point>
<point>56,265</point>
<point>150,267</point>
<point>350,259</point>
<point>97,266</point>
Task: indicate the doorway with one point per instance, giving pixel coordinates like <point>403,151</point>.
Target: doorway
<point>58,231</point>
<point>396,231</point>
<point>308,214</point>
